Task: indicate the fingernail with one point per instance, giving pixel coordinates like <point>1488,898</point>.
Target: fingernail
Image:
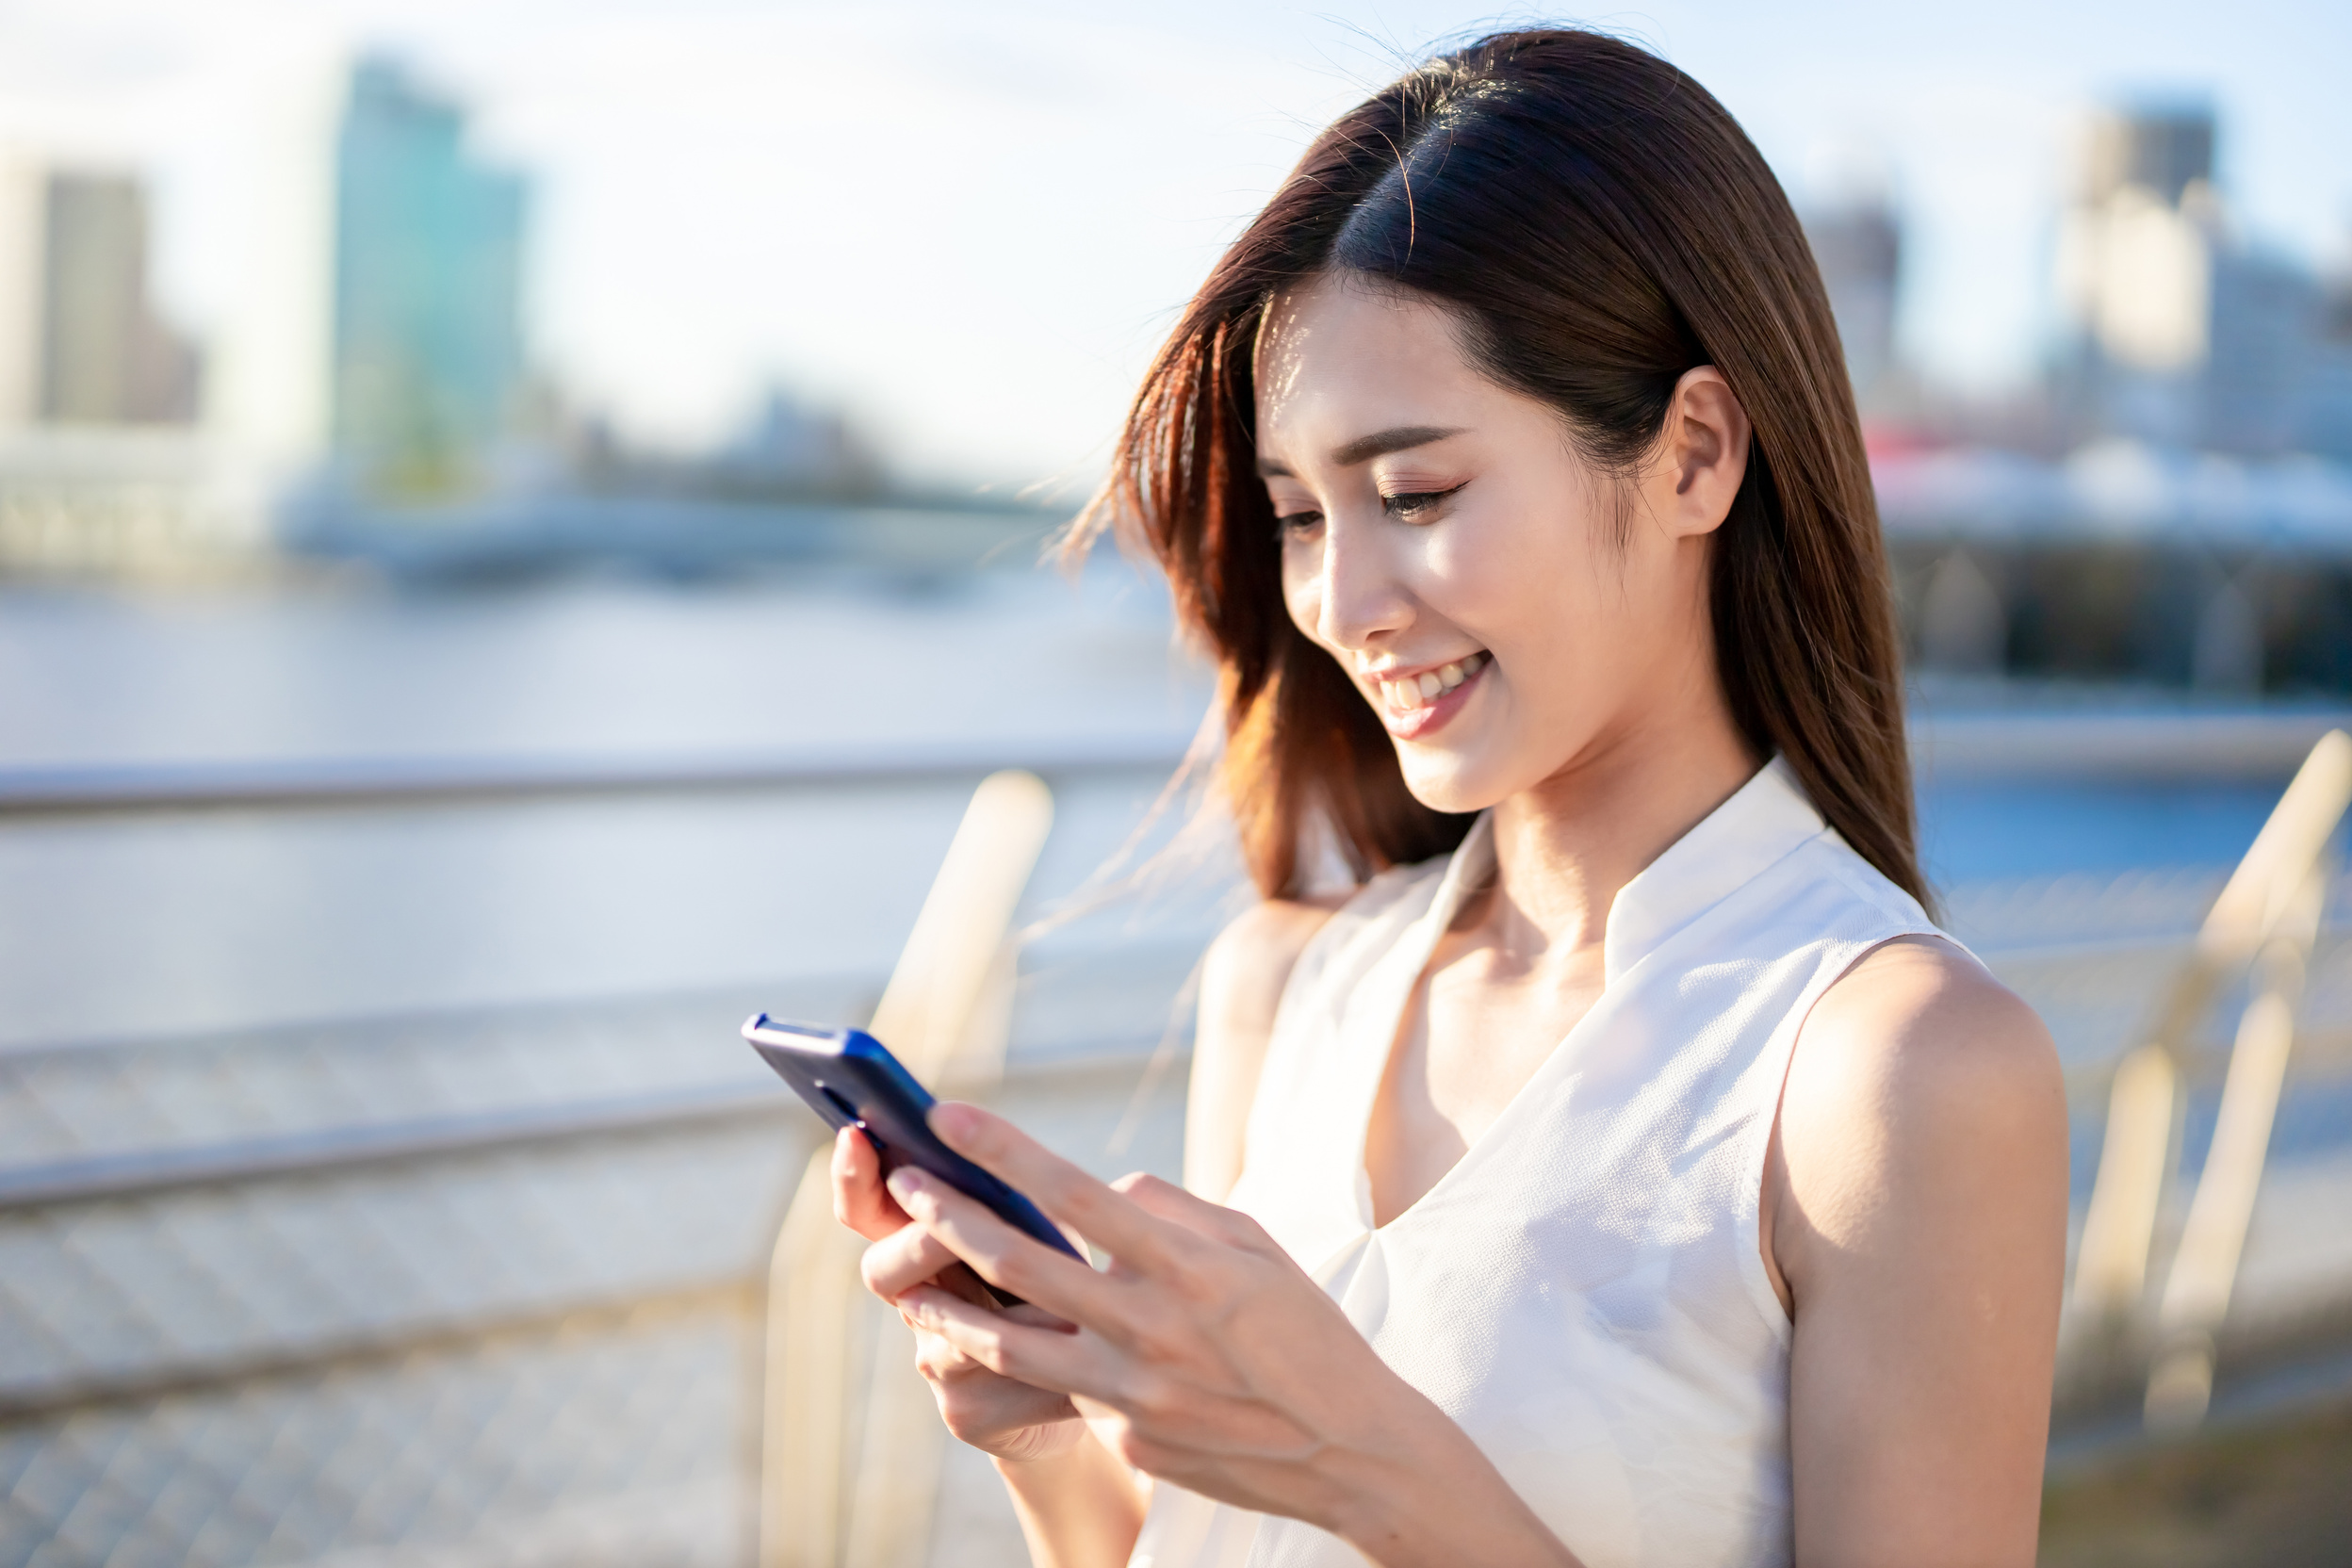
<point>954,1122</point>
<point>905,1182</point>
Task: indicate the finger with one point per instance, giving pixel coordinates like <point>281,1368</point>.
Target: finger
<point>1033,1315</point>
<point>1166,1200</point>
<point>859,1200</point>
<point>1059,1362</point>
<point>1007,1258</point>
<point>905,1258</point>
<point>1060,1188</point>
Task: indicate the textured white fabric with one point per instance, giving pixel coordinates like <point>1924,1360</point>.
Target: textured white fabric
<point>1583,1293</point>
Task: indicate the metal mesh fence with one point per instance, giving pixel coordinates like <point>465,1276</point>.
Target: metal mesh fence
<point>601,1439</point>
<point>542,1349</point>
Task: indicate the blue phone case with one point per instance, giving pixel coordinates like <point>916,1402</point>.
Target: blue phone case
<point>849,1078</point>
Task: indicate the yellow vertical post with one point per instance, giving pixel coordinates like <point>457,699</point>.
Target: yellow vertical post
<point>813,1299</point>
<point>2134,1163</point>
<point>944,1014</point>
<point>2137,1156</point>
<point>2205,1265</point>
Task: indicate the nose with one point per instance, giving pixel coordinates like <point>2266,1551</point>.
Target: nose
<point>1363,598</point>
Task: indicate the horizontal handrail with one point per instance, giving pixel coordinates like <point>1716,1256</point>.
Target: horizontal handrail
<point>137,788</point>
<point>96,1177</point>
<point>145,1172</point>
<point>2151,744</point>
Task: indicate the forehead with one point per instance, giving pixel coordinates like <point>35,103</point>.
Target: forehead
<point>1336,357</point>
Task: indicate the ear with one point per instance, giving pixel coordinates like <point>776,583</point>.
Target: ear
<point>1702,455</point>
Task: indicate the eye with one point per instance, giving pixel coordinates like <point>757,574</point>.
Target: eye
<point>1413,505</point>
<point>1294,525</point>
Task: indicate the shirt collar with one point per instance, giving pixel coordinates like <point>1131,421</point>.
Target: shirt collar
<point>1763,821</point>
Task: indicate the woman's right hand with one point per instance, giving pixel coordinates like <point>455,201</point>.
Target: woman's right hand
<point>1010,1420</point>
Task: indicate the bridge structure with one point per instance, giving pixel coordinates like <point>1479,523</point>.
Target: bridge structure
<point>2124,563</point>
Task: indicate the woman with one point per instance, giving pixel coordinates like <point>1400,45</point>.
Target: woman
<point>1626,1172</point>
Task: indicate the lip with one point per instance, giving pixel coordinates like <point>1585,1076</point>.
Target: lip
<point>1424,722</point>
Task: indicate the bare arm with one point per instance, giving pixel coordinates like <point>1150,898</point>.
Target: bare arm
<point>1080,1505</point>
<point>1241,986</point>
<point>1916,1204</point>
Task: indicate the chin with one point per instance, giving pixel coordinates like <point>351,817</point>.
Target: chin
<point>1449,783</point>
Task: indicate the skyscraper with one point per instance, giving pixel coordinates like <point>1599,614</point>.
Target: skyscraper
<point>105,359</point>
<point>1858,247</point>
<point>80,341</point>
<point>2136,259</point>
<point>428,291</point>
<point>2186,332</point>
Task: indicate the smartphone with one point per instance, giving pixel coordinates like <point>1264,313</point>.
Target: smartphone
<point>851,1080</point>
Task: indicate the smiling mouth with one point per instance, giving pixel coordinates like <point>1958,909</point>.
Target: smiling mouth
<point>1414,695</point>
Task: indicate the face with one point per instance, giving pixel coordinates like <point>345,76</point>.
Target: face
<point>1442,541</point>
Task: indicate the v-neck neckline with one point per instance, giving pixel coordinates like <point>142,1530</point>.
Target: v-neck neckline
<point>1761,821</point>
<point>1469,869</point>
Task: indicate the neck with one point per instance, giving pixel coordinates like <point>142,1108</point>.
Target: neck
<point>1564,849</point>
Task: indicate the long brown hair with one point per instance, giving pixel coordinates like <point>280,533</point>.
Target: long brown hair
<point>1600,224</point>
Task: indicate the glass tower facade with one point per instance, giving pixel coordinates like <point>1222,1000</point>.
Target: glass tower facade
<point>428,291</point>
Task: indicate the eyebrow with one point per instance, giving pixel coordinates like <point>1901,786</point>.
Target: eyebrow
<point>1364,449</point>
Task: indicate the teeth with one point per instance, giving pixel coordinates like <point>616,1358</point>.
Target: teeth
<point>1414,693</point>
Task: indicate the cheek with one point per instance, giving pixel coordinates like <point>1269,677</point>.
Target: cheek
<point>1302,592</point>
<point>1512,598</point>
<point>1536,596</point>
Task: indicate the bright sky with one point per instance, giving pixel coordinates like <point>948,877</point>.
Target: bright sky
<point>972,224</point>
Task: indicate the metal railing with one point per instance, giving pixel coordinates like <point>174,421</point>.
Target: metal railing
<point>2158,744</point>
<point>28,794</point>
<point>101,1331</point>
<point>2268,914</point>
<point>709,1319</point>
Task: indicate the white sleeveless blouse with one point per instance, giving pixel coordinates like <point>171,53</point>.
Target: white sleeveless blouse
<point>1583,1293</point>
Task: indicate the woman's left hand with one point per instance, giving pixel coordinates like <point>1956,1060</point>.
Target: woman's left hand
<point>1208,1358</point>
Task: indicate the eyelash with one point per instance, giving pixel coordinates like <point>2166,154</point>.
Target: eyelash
<point>1405,506</point>
<point>1409,503</point>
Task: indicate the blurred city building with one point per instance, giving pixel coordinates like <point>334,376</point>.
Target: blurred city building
<point>1858,244</point>
<point>2185,330</point>
<point>99,353</point>
<point>102,468</point>
<point>788,445</point>
<point>429,361</point>
<point>789,450</point>
<point>2170,507</point>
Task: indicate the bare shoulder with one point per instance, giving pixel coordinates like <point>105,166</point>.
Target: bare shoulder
<point>1249,964</point>
<point>1920,1079</point>
<point>1919,1026</point>
<point>1242,980</point>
